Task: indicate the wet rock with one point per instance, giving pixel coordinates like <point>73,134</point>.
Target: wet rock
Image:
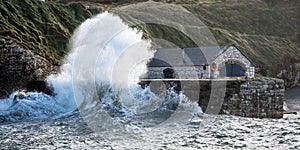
<point>19,67</point>
<point>2,41</point>
<point>40,86</point>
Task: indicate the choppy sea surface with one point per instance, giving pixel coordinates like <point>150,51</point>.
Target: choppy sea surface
<point>225,132</point>
<point>201,131</point>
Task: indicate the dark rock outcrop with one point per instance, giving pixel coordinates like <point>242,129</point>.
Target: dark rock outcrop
<point>291,75</point>
<point>21,68</point>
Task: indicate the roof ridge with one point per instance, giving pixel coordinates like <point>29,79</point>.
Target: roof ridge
<point>225,45</point>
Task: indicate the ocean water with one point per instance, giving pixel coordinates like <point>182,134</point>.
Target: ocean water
<point>225,132</point>
<point>98,105</point>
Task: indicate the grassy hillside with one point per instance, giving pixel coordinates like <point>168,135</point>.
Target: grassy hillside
<point>267,31</point>
<point>41,27</point>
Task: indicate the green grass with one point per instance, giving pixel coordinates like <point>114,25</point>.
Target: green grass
<point>44,28</point>
<point>266,31</point>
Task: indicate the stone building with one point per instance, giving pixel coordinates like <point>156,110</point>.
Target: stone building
<point>207,62</point>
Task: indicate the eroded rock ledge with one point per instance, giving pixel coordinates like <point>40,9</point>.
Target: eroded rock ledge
<point>20,68</point>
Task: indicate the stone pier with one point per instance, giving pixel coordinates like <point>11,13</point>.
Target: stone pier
<point>258,98</point>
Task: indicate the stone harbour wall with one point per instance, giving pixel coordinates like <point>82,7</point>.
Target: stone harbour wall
<point>262,98</point>
<point>257,98</point>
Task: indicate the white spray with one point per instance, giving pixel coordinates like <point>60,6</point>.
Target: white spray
<point>106,54</point>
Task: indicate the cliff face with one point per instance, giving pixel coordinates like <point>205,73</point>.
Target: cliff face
<point>33,41</point>
<point>19,67</point>
<point>41,27</point>
<point>291,75</point>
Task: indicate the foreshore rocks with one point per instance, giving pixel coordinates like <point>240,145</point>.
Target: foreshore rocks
<point>20,68</point>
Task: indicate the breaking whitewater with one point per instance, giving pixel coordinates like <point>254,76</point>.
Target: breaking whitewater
<point>99,105</point>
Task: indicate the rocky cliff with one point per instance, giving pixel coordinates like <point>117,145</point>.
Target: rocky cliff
<point>33,41</point>
<point>291,75</point>
<point>20,67</point>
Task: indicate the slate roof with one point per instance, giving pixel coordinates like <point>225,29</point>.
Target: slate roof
<point>189,56</point>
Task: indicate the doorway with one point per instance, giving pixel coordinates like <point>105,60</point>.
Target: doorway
<point>232,70</point>
<point>168,73</point>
